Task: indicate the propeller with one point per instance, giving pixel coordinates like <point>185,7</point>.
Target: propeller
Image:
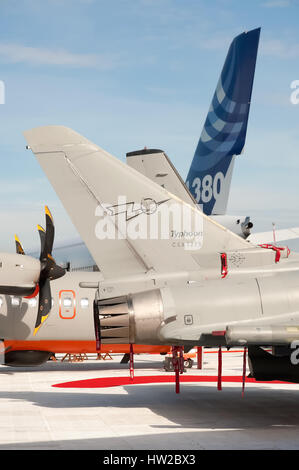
<point>49,269</point>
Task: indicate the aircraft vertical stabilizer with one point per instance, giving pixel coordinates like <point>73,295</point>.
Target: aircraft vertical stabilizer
<point>224,132</point>
<point>130,224</point>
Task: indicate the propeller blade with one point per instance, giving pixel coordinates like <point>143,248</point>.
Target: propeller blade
<point>19,248</point>
<point>54,271</point>
<point>42,236</point>
<point>44,304</point>
<point>50,230</point>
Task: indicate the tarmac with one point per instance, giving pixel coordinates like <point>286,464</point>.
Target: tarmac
<point>36,415</point>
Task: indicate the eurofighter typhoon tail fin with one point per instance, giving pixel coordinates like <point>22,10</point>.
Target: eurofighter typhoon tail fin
<point>90,182</point>
<point>224,132</point>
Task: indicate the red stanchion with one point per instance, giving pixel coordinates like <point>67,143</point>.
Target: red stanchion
<point>219,381</point>
<point>244,371</point>
<point>199,357</point>
<point>181,349</point>
<point>178,365</point>
<point>97,326</point>
<point>131,362</point>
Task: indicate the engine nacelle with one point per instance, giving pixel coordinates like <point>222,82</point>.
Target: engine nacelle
<point>19,274</point>
<point>134,318</point>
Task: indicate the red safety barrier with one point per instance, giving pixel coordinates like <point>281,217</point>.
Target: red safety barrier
<point>131,362</point>
<point>178,365</point>
<point>219,382</point>
<point>244,371</point>
<point>199,357</point>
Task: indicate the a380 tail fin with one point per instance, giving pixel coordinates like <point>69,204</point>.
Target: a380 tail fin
<point>224,132</point>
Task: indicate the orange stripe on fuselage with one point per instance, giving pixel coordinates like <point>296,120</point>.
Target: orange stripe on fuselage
<point>81,347</point>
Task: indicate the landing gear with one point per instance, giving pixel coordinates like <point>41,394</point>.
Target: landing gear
<point>168,364</point>
<point>188,363</point>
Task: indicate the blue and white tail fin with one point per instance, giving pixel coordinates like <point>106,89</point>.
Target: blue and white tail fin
<point>224,132</point>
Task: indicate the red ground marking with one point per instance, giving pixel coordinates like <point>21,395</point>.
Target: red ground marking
<point>151,379</point>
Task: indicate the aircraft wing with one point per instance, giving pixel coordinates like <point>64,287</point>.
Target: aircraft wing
<point>97,188</point>
<point>280,235</point>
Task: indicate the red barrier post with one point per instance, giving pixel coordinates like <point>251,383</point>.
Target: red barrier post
<point>199,357</point>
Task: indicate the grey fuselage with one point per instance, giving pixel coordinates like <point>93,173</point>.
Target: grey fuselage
<point>155,311</point>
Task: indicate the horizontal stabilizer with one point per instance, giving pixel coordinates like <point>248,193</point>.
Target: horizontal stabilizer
<point>270,237</point>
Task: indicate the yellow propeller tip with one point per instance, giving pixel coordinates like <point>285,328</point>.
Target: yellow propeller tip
<point>36,330</point>
<point>47,211</point>
<point>43,319</point>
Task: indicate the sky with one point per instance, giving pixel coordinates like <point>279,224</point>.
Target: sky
<point>133,73</point>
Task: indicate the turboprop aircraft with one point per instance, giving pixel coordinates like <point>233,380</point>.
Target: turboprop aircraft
<point>239,67</point>
<point>25,287</point>
<point>204,287</point>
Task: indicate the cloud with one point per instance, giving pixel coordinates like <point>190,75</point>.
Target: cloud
<point>216,42</point>
<point>219,41</point>
<point>18,53</point>
<point>279,48</point>
<point>277,4</point>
